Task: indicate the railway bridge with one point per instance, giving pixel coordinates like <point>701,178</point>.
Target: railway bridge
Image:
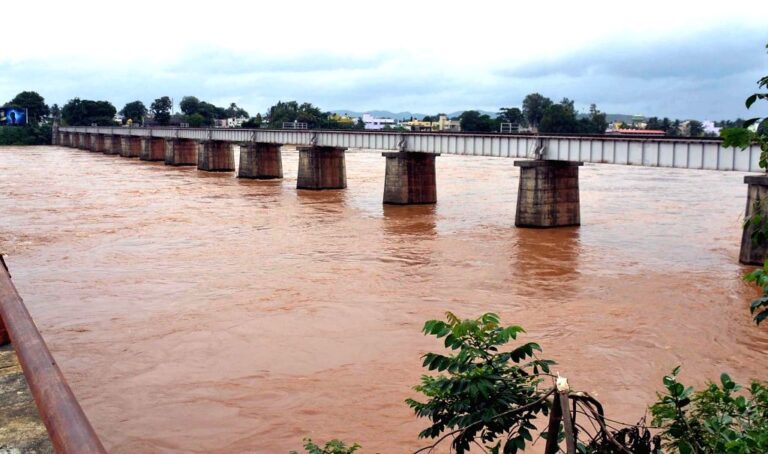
<point>548,193</point>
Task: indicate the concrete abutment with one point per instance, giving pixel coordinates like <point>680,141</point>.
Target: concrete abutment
<point>548,194</point>
<point>751,252</point>
<point>260,161</point>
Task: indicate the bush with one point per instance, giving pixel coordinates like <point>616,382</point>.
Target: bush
<point>485,395</point>
<point>332,447</point>
<point>25,135</point>
<point>715,420</point>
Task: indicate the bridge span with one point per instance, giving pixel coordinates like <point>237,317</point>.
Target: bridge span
<point>680,152</point>
<point>548,193</point>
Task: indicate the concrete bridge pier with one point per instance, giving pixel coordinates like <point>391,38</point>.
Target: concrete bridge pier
<point>131,147</point>
<point>76,140</point>
<point>97,143</point>
<point>410,178</point>
<point>113,144</point>
<point>181,152</point>
<point>216,156</point>
<point>90,142</point>
<point>321,168</point>
<point>548,194</point>
<point>66,139</point>
<point>152,149</point>
<point>753,253</point>
<point>260,161</point>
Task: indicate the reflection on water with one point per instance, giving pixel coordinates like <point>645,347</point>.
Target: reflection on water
<point>196,312</point>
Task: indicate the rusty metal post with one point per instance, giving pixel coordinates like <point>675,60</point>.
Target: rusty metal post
<point>560,413</point>
<point>68,427</point>
<point>5,338</point>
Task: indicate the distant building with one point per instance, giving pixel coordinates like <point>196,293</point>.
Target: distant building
<point>442,124</point>
<point>372,122</point>
<point>710,128</point>
<point>236,122</point>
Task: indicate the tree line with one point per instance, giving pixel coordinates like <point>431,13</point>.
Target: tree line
<point>538,113</point>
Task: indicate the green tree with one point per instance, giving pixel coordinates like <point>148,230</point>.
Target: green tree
<point>653,123</point>
<point>695,128</point>
<point>84,112</point>
<point>233,111</point>
<point>559,118</point>
<point>135,111</point>
<point>534,107</point>
<point>35,104</point>
<point>595,123</point>
<point>55,112</point>
<point>511,115</point>
<point>332,447</point>
<point>196,120</point>
<point>474,121</point>
<point>484,393</point>
<point>286,112</point>
<point>254,122</point>
<point>718,419</point>
<point>189,105</point>
<point>161,110</point>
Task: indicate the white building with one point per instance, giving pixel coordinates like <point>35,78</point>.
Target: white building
<point>236,122</point>
<point>710,128</point>
<point>372,122</point>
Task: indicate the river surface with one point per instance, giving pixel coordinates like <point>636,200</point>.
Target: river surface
<point>195,312</point>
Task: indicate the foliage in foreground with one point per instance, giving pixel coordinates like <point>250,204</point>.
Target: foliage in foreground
<point>332,447</point>
<point>717,419</point>
<point>488,395</point>
<point>759,307</point>
<point>483,395</point>
<point>757,223</point>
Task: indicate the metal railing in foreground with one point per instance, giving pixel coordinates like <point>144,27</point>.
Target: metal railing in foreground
<point>68,427</point>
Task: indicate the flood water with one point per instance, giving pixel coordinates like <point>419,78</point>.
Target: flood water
<point>195,312</point>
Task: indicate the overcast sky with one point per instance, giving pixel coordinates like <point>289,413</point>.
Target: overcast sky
<point>666,58</point>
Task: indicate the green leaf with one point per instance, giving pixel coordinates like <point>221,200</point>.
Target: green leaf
<point>751,100</point>
<point>737,137</point>
<point>684,447</point>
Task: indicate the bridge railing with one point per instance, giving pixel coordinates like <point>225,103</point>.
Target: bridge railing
<point>68,427</point>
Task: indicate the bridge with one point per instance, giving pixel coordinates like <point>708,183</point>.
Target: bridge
<point>548,194</point>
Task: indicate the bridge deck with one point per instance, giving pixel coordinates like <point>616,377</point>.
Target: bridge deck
<point>686,153</point>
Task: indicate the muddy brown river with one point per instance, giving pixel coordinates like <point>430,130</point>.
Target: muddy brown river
<point>195,312</point>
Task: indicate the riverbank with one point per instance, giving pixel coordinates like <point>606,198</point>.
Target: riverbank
<point>21,429</point>
<point>25,135</point>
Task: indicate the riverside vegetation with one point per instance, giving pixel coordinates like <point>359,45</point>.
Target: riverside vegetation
<point>488,395</point>
<point>757,223</point>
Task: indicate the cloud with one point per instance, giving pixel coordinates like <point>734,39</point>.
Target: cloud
<point>703,74</point>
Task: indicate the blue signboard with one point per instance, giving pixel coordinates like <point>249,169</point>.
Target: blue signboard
<point>13,116</point>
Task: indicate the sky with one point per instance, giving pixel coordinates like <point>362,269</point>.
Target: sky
<point>677,59</point>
